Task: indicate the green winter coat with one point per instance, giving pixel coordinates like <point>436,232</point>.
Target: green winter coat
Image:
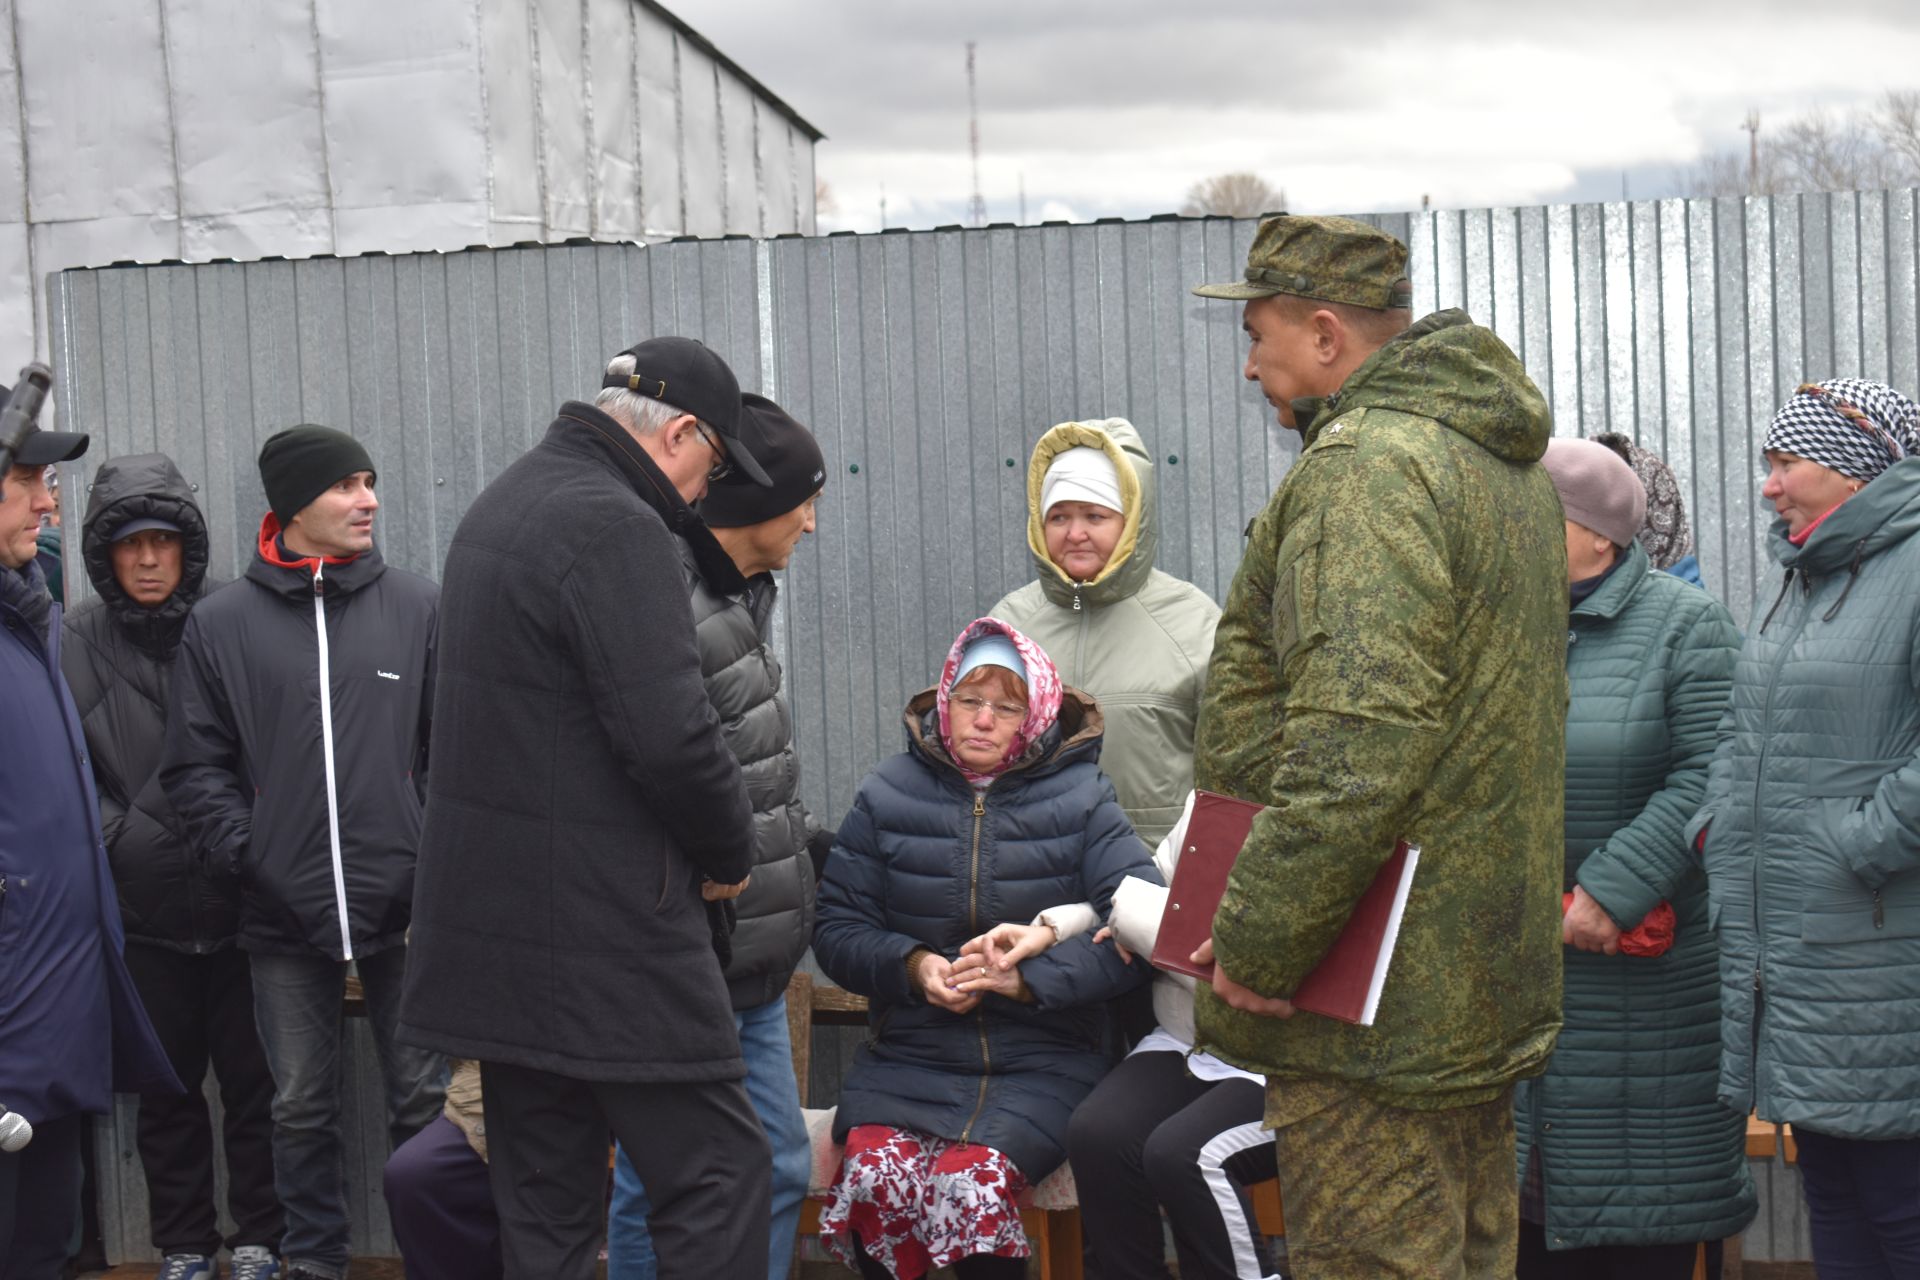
<point>1635,1148</point>
<point>1135,638</point>
<point>1813,852</point>
<point>1391,664</point>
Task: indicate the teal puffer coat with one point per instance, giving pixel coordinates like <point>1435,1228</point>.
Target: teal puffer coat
<point>1634,1147</point>
<point>1812,822</point>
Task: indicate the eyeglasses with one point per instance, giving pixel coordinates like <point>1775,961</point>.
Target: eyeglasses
<point>969,706</point>
<point>723,465</point>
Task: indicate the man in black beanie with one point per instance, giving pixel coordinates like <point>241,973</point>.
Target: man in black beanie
<point>296,759</point>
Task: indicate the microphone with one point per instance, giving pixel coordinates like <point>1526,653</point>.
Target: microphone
<point>18,421</point>
<point>15,1132</point>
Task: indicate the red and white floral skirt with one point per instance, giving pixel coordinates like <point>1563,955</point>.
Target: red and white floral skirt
<point>917,1202</point>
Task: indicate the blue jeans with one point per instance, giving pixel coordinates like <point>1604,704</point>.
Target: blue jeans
<point>776,1098</point>
<point>298,1003</point>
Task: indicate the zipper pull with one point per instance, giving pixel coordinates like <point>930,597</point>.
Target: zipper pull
<point>1879,911</point>
<point>979,804</point>
<point>1076,597</point>
<point>1756,979</point>
<point>318,587</point>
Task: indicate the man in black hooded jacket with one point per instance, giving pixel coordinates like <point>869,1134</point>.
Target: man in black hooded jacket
<point>144,543</point>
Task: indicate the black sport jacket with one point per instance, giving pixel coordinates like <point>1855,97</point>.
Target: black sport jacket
<point>316,808</point>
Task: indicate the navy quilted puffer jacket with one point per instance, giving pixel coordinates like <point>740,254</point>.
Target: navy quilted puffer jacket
<point>905,874</point>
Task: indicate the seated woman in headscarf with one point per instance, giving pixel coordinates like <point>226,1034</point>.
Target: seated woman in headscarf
<point>960,1099</point>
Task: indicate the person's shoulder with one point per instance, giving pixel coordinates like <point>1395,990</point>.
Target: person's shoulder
<point>1163,592</point>
<point>87,618</point>
<point>407,583</point>
<point>1022,604</point>
<point>1679,602</point>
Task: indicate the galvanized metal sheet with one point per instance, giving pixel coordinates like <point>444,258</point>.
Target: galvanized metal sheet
<point>928,362</point>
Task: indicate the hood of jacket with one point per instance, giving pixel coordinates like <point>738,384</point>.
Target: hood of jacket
<point>1884,513</point>
<point>1454,371</point>
<point>141,486</point>
<point>1132,561</point>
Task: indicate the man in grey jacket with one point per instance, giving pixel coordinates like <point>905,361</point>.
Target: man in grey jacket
<point>732,613</point>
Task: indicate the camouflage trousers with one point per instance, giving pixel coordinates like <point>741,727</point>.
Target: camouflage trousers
<point>1373,1191</point>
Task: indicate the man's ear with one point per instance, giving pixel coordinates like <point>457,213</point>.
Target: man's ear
<point>1329,336</point>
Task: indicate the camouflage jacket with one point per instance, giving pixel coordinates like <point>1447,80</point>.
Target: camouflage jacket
<point>1391,663</point>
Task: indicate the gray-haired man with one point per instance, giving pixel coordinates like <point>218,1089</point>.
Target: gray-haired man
<point>584,803</point>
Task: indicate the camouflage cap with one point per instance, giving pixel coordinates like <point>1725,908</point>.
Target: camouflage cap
<point>1331,259</point>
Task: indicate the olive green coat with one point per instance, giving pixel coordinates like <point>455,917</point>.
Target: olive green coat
<point>1135,638</point>
<point>1391,663</point>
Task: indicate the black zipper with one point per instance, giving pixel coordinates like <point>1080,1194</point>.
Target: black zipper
<point>973,924</point>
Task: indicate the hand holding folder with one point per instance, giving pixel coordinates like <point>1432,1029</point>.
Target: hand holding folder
<point>1347,982</point>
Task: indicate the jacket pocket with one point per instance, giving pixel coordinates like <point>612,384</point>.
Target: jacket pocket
<point>1296,593</point>
<point>1865,915</point>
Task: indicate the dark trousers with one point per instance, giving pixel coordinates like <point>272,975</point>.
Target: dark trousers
<point>40,1200</point>
<point>697,1147</point>
<point>1151,1137</point>
<point>202,1009</point>
<point>298,1003</point>
<point>1863,1205</point>
<point>441,1206</point>
<point>1602,1262</point>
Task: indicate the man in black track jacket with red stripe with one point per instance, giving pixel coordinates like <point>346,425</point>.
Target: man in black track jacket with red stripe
<point>296,759</point>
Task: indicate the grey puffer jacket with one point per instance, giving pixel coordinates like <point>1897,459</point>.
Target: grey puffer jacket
<point>1812,829</point>
<point>730,619</point>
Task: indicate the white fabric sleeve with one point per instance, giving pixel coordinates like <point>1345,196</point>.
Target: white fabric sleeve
<point>1071,919</point>
<point>1137,908</point>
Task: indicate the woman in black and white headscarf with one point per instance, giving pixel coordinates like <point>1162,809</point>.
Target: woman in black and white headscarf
<point>1811,826</point>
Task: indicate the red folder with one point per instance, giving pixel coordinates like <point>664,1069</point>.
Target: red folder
<point>1347,982</point>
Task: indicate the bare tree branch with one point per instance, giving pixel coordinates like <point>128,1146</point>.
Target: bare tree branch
<point>1235,195</point>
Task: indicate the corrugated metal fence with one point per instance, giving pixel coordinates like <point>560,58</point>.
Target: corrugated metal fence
<point>928,362</point>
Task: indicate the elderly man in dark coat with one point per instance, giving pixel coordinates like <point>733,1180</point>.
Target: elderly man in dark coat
<point>586,808</point>
<point>72,1030</point>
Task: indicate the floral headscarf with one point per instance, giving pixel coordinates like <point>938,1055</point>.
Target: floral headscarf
<point>1043,692</point>
<point>1665,536</point>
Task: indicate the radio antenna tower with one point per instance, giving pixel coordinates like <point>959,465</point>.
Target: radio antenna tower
<point>977,210</point>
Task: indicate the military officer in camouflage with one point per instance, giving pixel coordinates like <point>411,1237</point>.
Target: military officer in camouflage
<point>1391,664</point>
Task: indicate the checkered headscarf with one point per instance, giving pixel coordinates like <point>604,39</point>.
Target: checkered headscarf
<point>1850,425</point>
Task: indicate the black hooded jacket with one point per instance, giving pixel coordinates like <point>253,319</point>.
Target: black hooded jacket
<point>252,752</point>
<point>118,660</point>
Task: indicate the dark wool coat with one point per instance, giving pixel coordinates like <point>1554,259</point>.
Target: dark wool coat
<point>582,786</point>
<point>247,747</point>
<point>118,660</point>
<point>775,914</point>
<point>72,1029</point>
<point>919,864</point>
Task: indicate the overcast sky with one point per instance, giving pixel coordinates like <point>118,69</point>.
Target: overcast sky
<point>1115,108</point>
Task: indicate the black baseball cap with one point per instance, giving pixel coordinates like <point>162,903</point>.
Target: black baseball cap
<point>792,457</point>
<point>686,374</point>
<point>44,448</point>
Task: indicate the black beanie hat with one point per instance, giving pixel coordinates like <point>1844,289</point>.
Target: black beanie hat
<point>299,464</point>
<point>795,468</point>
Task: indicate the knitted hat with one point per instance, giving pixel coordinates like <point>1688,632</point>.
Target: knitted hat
<point>1597,488</point>
<point>1081,474</point>
<point>1850,425</point>
<point>791,457</point>
<point>301,463</point>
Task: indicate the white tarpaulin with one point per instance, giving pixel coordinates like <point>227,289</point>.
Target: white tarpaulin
<point>195,130</point>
